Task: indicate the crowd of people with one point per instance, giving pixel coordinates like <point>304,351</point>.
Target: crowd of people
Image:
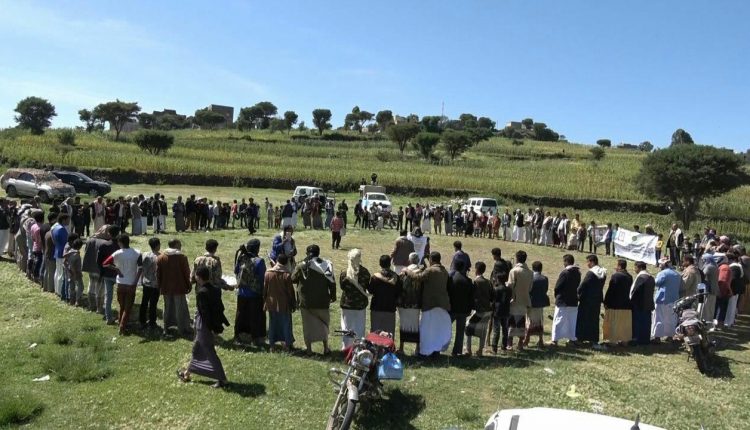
<point>496,302</point>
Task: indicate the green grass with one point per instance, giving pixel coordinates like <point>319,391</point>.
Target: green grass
<point>18,407</point>
<point>281,391</point>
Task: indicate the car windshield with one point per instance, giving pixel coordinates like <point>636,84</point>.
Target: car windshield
<point>84,177</point>
<point>46,177</point>
<point>376,196</point>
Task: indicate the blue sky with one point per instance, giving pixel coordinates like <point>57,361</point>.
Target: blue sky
<point>628,71</point>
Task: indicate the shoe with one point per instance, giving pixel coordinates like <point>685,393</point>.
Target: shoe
<point>218,384</point>
<point>182,376</point>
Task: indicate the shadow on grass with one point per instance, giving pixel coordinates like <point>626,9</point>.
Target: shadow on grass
<point>242,389</point>
<point>395,411</point>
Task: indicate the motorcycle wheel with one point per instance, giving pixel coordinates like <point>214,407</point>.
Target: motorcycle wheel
<point>342,415</point>
<point>700,358</point>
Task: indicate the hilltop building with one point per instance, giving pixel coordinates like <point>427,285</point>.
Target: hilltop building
<point>228,113</point>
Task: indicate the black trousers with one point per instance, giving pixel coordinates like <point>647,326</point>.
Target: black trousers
<point>335,239</point>
<point>722,304</point>
<point>499,326</point>
<point>458,344</point>
<point>149,302</point>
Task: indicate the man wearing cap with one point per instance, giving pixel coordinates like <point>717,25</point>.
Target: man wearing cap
<point>666,292</point>
<point>316,290</point>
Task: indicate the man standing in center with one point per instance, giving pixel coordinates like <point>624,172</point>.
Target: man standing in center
<point>173,278</point>
<point>316,289</point>
<point>461,293</point>
<point>566,301</point>
<point>401,251</point>
<point>519,280</point>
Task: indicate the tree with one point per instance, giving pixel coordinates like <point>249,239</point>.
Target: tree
<point>277,124</point>
<point>290,118</point>
<point>604,143</point>
<point>153,141</point>
<point>468,120</point>
<point>527,123</point>
<point>207,119</point>
<point>402,134</point>
<point>357,119</point>
<point>486,123</point>
<point>66,143</point>
<point>456,142</point>
<point>597,153</point>
<point>425,143</point>
<point>146,120</point>
<point>543,133</point>
<point>682,137</point>
<point>646,146</point>
<point>384,118</point>
<point>35,114</point>
<point>117,113</point>
<point>322,119</point>
<point>302,126</point>
<point>684,176</point>
<point>432,123</point>
<point>93,123</point>
<point>170,122</point>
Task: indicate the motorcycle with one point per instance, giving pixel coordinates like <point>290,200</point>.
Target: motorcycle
<point>371,359</point>
<point>693,331</point>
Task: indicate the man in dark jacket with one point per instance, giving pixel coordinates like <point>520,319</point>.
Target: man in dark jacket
<point>539,301</point>
<point>108,275</point>
<point>459,255</point>
<point>642,301</point>
<point>590,296</point>
<point>566,301</point>
<point>501,306</point>
<point>461,293</point>
<point>385,287</point>
<point>316,291</point>
<point>401,250</point>
<point>618,320</point>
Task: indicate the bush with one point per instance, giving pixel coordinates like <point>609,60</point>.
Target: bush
<point>73,364</point>
<point>153,141</point>
<point>386,156</point>
<point>18,408</point>
<point>597,153</point>
<point>517,142</point>
<point>61,337</point>
<point>66,137</point>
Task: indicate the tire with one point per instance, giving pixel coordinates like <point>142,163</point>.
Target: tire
<point>701,360</point>
<point>44,196</point>
<point>343,414</point>
<point>11,191</point>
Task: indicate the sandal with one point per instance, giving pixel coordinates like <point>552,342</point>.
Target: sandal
<point>183,377</point>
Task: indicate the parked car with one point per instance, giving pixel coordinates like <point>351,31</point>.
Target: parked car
<point>481,204</point>
<point>302,192</point>
<point>374,194</point>
<point>35,182</point>
<point>83,184</point>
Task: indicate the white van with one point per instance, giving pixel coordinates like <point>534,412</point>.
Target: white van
<point>481,204</point>
<point>307,191</point>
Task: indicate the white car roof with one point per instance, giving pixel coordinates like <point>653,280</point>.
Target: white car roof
<point>558,419</point>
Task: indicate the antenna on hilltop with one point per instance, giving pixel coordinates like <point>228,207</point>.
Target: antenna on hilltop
<point>442,109</point>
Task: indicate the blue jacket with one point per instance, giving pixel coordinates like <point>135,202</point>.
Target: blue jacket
<point>668,283</point>
<point>260,273</point>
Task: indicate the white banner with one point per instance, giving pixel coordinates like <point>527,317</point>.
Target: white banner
<point>599,233</point>
<point>635,246</point>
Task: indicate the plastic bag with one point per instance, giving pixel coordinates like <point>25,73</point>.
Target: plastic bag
<point>390,367</point>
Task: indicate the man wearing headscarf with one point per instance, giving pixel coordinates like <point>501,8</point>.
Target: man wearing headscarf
<point>668,285</point>
<point>409,303</point>
<point>316,290</point>
<point>385,287</point>
<point>707,309</point>
<point>89,265</point>
<point>420,243</point>
<point>354,297</point>
<point>250,270</point>
<point>642,300</point>
<point>280,301</point>
<point>435,325</point>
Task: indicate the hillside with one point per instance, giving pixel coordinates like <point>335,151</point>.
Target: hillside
<point>563,173</point>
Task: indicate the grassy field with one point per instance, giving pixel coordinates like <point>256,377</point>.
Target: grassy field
<point>129,382</point>
<point>494,167</point>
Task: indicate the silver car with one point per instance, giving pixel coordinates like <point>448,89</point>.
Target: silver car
<point>35,182</point>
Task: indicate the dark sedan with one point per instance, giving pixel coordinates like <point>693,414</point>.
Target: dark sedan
<point>83,184</point>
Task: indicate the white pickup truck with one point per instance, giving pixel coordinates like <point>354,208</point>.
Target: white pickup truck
<point>374,194</point>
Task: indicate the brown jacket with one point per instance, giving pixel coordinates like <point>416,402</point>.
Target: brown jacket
<point>278,291</point>
<point>520,280</point>
<point>434,281</point>
<point>690,277</point>
<point>173,272</point>
<point>401,250</point>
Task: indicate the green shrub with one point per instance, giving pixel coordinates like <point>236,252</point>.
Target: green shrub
<point>18,408</point>
<point>61,336</point>
<point>154,142</point>
<point>73,364</point>
<point>66,137</point>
